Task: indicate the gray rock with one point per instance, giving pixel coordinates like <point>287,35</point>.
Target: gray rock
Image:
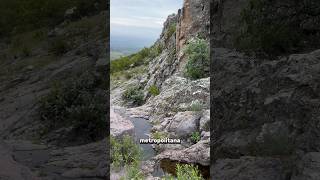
<point>184,124</point>
<point>197,153</point>
<point>205,121</point>
<point>120,126</point>
<point>309,167</point>
<point>247,168</point>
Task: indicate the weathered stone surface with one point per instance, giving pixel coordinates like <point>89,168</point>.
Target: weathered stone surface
<point>264,108</point>
<point>247,168</point>
<point>197,153</point>
<point>12,170</point>
<point>185,89</point>
<point>309,167</point>
<point>184,124</point>
<point>205,121</point>
<point>120,126</point>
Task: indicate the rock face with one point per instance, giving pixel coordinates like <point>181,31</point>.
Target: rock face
<point>193,20</point>
<point>187,91</point>
<point>25,148</point>
<point>184,123</point>
<point>120,126</point>
<point>265,108</point>
<point>248,168</point>
<point>225,21</point>
<point>197,154</point>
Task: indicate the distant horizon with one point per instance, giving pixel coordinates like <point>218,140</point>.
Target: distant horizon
<point>138,24</point>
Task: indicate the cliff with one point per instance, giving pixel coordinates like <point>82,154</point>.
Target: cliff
<point>265,108</point>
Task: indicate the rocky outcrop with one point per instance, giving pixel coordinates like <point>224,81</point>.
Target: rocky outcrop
<point>264,108</point>
<point>119,125</point>
<point>248,168</point>
<point>225,20</point>
<point>193,20</point>
<point>178,93</point>
<point>196,154</point>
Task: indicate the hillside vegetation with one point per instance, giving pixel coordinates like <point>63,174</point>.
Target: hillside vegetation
<point>20,15</point>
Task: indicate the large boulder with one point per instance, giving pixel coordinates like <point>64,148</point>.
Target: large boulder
<point>184,124</point>
<point>120,126</point>
<point>196,154</point>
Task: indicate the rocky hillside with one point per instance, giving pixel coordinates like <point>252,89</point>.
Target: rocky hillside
<point>177,106</point>
<point>53,125</point>
<point>265,103</point>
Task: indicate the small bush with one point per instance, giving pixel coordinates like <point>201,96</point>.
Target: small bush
<point>134,172</point>
<point>171,30</point>
<point>124,63</point>
<point>133,95</point>
<point>58,46</point>
<point>124,152</point>
<point>154,91</point>
<point>196,106</point>
<point>76,103</point>
<point>187,171</point>
<point>198,65</point>
<point>159,135</point>
<point>267,30</point>
<point>156,50</point>
<point>195,137</point>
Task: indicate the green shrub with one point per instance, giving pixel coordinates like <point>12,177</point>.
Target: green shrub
<point>58,46</point>
<point>187,171</point>
<point>133,95</point>
<point>76,103</point>
<point>195,137</point>
<point>154,91</point>
<point>266,30</point>
<point>171,30</point>
<point>196,106</point>
<point>134,172</point>
<point>124,152</point>
<point>134,60</point>
<point>159,135</point>
<point>198,65</point>
<point>21,16</point>
<point>156,50</point>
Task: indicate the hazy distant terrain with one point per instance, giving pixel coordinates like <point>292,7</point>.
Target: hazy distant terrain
<point>123,45</point>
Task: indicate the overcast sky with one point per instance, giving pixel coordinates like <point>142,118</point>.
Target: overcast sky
<point>140,19</point>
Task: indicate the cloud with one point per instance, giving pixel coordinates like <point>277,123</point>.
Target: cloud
<point>141,19</point>
<point>142,13</point>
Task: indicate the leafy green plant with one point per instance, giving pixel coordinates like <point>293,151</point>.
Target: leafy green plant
<point>159,135</point>
<point>187,171</point>
<point>198,65</point>
<point>266,30</point>
<point>134,172</point>
<point>21,16</point>
<point>196,106</point>
<point>154,91</point>
<point>124,152</point>
<point>195,137</point>
<point>133,95</point>
<point>171,30</point>
<point>127,62</point>
<point>76,103</point>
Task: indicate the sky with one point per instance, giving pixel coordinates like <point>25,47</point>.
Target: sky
<point>138,23</point>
